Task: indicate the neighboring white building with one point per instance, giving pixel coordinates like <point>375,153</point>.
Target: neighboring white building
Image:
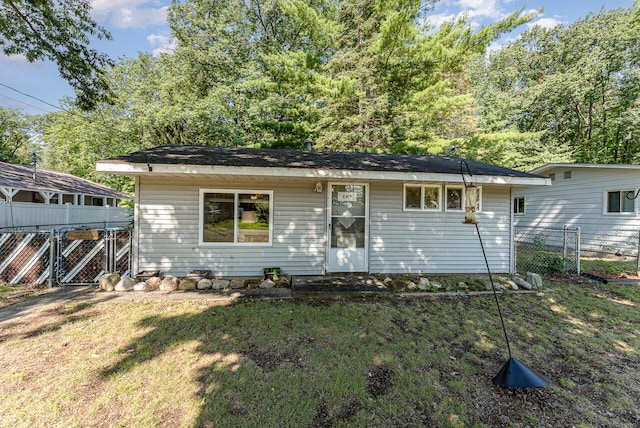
<point>599,199</point>
<point>42,198</point>
<point>235,211</point>
<point>589,196</point>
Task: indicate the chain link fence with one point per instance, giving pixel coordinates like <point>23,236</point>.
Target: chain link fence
<point>575,250</point>
<point>610,251</point>
<point>63,256</point>
<point>543,251</point>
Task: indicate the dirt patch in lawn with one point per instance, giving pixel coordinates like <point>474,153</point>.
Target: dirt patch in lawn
<point>10,294</point>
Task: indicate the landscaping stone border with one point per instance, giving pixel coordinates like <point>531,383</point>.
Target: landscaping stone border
<point>405,284</point>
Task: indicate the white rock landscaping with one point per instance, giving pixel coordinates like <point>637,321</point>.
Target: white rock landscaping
<point>125,284</point>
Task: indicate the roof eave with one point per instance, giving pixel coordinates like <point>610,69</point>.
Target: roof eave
<point>544,168</point>
<point>127,168</point>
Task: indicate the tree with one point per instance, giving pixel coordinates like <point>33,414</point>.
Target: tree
<point>397,86</point>
<point>577,85</point>
<point>14,136</point>
<point>351,74</point>
<point>60,31</point>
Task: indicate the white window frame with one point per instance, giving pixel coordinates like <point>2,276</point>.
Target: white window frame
<point>462,197</point>
<point>515,205</point>
<point>235,193</point>
<point>422,191</point>
<point>623,194</point>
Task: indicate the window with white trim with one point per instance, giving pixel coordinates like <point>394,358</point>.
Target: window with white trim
<point>235,217</point>
<point>518,205</point>
<point>617,202</point>
<point>422,197</point>
<point>454,198</point>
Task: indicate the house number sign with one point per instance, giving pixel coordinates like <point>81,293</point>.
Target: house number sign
<point>83,235</point>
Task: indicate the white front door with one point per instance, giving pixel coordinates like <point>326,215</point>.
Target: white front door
<point>348,228</point>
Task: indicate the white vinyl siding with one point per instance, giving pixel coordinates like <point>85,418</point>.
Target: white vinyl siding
<point>400,241</point>
<point>168,228</point>
<point>437,242</point>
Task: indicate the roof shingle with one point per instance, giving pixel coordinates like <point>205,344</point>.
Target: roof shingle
<point>21,177</point>
<point>299,159</point>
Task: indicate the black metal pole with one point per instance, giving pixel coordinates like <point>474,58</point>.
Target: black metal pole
<point>495,294</point>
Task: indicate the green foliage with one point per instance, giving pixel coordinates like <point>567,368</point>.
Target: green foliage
<point>60,31</point>
<point>351,74</point>
<point>15,145</point>
<point>513,149</point>
<point>576,87</point>
<point>7,287</point>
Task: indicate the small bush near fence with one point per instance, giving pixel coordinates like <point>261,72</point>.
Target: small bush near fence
<point>544,251</point>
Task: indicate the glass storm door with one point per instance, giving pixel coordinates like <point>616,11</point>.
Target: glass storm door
<point>348,228</point>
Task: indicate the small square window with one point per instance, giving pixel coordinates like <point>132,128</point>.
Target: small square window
<point>552,177</point>
<point>412,197</point>
<point>454,197</point>
<point>432,198</point>
<point>567,175</point>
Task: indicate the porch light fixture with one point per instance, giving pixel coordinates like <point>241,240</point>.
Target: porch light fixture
<point>513,373</point>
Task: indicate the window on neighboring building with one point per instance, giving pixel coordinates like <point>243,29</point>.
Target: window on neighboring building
<point>426,198</point>
<point>618,202</point>
<point>567,175</point>
<point>518,205</point>
<point>235,217</point>
<point>552,176</point>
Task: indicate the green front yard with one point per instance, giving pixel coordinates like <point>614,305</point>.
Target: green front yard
<point>362,362</point>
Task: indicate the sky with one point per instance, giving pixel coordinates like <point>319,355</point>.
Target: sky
<point>140,26</point>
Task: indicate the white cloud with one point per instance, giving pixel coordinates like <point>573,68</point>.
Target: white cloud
<point>545,23</point>
<point>162,44</point>
<point>481,8</point>
<point>438,19</point>
<point>20,59</point>
<point>496,45</point>
<point>129,13</point>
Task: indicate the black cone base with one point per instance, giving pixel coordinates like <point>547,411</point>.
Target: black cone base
<point>514,374</point>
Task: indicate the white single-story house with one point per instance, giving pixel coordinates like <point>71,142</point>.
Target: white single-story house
<point>39,197</point>
<point>599,199</point>
<point>236,211</point>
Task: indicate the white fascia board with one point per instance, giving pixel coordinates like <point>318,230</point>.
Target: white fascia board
<point>542,169</point>
<point>125,168</point>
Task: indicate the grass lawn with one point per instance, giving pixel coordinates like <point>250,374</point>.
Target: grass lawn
<point>362,362</point>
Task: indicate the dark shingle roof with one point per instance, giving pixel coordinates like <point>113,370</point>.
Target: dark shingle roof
<point>299,159</point>
<point>21,177</point>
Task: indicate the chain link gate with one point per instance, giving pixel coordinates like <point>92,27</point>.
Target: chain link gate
<point>83,256</point>
<point>79,256</point>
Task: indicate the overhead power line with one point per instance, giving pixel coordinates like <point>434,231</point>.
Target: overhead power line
<point>31,96</point>
<point>24,103</point>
